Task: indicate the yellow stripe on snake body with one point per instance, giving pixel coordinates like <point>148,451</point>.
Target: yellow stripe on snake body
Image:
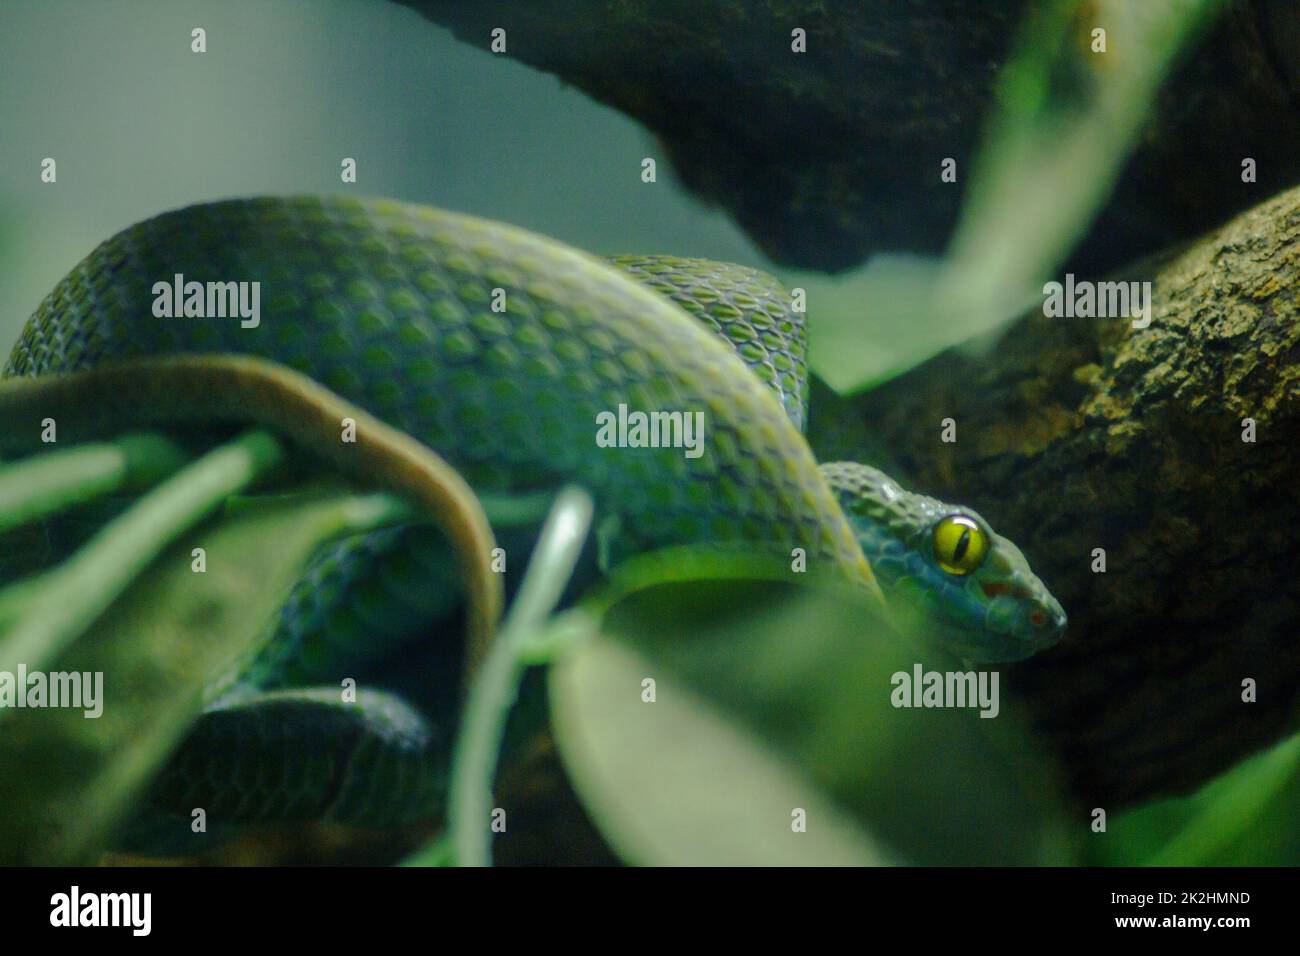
<point>390,306</point>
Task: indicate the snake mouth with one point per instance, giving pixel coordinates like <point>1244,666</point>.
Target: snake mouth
<point>1046,620</point>
<point>1050,622</point>
<point>996,589</point>
<point>1019,624</point>
<point>1048,625</point>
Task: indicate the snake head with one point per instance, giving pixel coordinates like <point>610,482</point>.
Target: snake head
<point>972,587</point>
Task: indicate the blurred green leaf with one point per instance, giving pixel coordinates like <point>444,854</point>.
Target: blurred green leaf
<point>65,779</point>
<point>772,697</point>
<point>1249,816</point>
<point>1066,120</point>
<point>875,322</point>
<point>1063,121</point>
<point>664,808</point>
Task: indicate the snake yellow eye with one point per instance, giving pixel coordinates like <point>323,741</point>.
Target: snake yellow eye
<point>959,544</point>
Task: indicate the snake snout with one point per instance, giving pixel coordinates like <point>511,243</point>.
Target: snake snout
<point>1028,620</point>
<point>1048,620</point>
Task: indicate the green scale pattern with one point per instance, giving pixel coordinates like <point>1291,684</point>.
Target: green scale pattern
<point>389,304</point>
<point>746,307</point>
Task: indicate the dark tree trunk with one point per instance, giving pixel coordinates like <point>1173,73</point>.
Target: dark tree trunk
<point>1075,434</point>
<point>827,156</point>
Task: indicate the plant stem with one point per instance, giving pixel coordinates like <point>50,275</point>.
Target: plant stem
<point>43,485</point>
<point>496,686</point>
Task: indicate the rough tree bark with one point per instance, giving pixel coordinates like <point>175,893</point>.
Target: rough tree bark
<point>1075,434</point>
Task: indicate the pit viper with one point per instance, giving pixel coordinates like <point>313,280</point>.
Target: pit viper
<point>500,350</point>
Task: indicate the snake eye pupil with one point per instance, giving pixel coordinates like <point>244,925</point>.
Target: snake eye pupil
<point>960,544</point>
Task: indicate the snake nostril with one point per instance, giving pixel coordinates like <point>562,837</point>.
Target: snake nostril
<point>1037,618</point>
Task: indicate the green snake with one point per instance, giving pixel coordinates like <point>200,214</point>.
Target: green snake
<point>390,306</point>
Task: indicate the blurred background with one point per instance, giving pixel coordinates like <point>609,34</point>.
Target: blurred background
<point>139,124</point>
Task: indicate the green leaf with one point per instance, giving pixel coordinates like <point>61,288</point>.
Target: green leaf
<point>662,806</point>
<point>42,616</point>
<point>875,322</point>
<point>771,698</point>
<point>1245,817</point>
<point>65,778</point>
<point>1065,122</point>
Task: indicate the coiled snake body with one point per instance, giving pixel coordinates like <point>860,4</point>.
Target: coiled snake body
<point>390,306</point>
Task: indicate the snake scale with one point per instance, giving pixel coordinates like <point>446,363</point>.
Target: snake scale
<point>389,305</point>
